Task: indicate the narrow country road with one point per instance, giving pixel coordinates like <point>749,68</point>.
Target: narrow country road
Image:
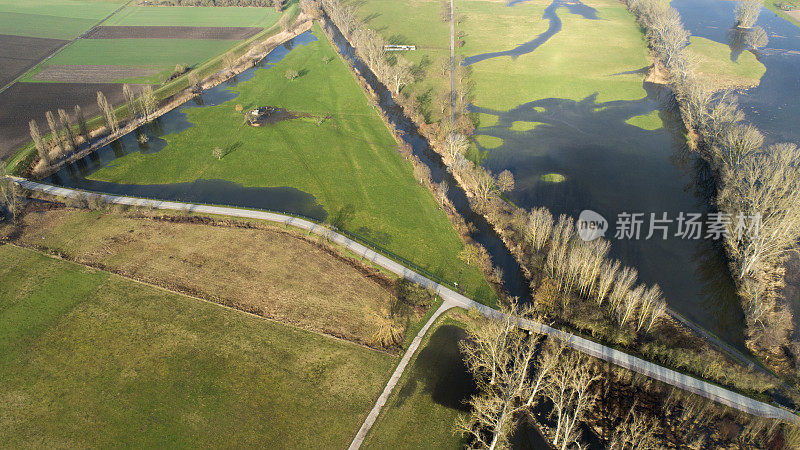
<point>452,62</point>
<point>450,297</point>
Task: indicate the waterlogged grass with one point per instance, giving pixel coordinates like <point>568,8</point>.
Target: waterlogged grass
<point>649,121</point>
<point>425,404</point>
<point>90,359</point>
<point>344,156</point>
<point>714,62</point>
<point>524,125</point>
<point>488,142</point>
<point>586,57</point>
<point>553,178</point>
<point>54,19</point>
<point>196,16</point>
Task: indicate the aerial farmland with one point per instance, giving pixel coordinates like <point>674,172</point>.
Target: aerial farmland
<point>549,224</point>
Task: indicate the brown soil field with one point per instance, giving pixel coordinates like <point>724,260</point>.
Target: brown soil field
<point>266,270</point>
<point>20,53</point>
<point>91,74</point>
<point>144,32</point>
<point>22,102</point>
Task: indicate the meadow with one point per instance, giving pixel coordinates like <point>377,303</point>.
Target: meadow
<point>423,409</point>
<point>90,359</point>
<point>195,16</point>
<point>341,153</point>
<point>54,19</point>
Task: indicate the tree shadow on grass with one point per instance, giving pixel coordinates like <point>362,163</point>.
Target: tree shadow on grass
<point>440,371</point>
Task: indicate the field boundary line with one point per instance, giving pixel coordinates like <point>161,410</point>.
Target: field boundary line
<point>68,43</point>
<point>193,297</point>
<point>652,370</point>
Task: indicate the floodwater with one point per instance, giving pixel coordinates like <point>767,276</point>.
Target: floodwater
<point>604,164</point>
<point>219,192</point>
<point>773,106</point>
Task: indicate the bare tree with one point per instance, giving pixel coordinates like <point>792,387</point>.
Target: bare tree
<point>400,74</point>
<point>130,98</point>
<point>41,148</point>
<point>569,391</point>
<point>55,135</point>
<point>149,101</point>
<point>108,113</point>
<point>66,125</point>
<point>605,279</point>
<point>636,432</point>
<point>484,183</point>
<point>538,228</point>
<point>229,61</point>
<point>10,196</point>
<point>738,143</point>
<point>747,12</point>
<point>83,129</point>
<point>757,38</point>
<point>422,173</point>
<point>441,191</point>
<point>456,144</point>
<point>286,22</point>
<point>505,181</point>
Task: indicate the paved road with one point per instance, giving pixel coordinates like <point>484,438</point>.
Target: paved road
<point>613,356</point>
<point>452,62</point>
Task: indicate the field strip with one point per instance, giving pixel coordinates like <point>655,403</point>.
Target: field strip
<point>608,354</point>
<point>172,32</point>
<point>65,45</point>
<point>90,73</point>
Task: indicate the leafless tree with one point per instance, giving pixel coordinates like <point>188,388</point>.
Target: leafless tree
<point>41,147</point>
<point>747,12</point>
<point>55,135</point>
<point>10,195</point>
<point>456,145</point>
<point>229,61</point>
<point>130,98</point>
<point>108,113</point>
<point>757,38</point>
<point>623,283</point>
<point>605,279</point>
<point>66,125</point>
<point>286,22</point>
<point>83,129</point>
<point>422,173</point>
<point>484,183</point>
<point>569,391</point>
<point>538,228</point>
<point>636,432</point>
<point>400,74</point>
<point>441,191</point>
<point>738,143</point>
<point>505,181</point>
<point>149,101</point>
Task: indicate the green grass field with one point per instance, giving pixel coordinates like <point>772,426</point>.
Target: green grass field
<point>423,409</point>
<point>349,161</point>
<point>54,19</point>
<point>90,359</point>
<point>713,61</point>
<point>199,16</point>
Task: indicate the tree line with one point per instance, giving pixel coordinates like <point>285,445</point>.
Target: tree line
<point>753,180</point>
<point>521,376</point>
<point>68,134</point>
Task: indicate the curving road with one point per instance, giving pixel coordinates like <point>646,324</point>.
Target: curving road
<point>613,356</point>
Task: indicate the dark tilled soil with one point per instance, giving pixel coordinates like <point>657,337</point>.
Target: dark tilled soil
<point>20,53</point>
<point>124,32</point>
<point>22,102</point>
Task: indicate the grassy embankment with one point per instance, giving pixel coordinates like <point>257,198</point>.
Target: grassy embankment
<point>792,16</point>
<point>92,359</point>
<point>344,156</point>
<point>427,401</point>
<point>234,266</point>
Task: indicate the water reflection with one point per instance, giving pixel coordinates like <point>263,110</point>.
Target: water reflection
<point>612,166</point>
